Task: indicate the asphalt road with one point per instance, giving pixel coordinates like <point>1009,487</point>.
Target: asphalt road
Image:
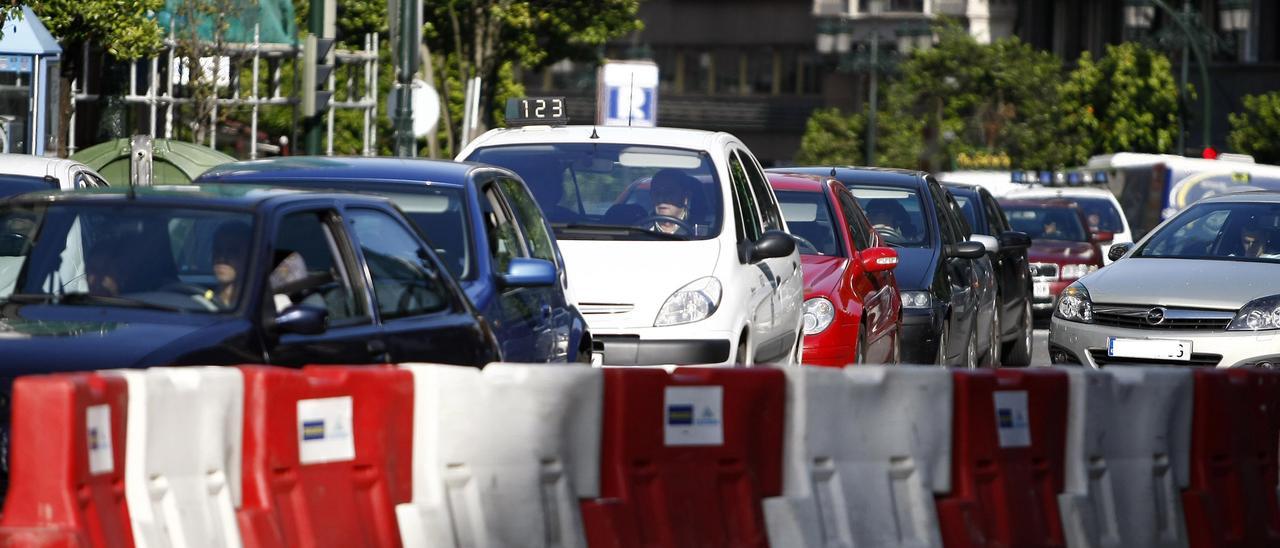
<point>1040,347</point>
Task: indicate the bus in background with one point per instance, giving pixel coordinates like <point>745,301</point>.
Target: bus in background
<point>1152,187</point>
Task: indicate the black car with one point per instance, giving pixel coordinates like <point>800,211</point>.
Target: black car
<point>983,215</point>
<point>223,275</point>
<point>938,273</point>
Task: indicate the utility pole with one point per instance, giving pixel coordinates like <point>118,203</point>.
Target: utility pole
<point>874,99</point>
<point>407,49</point>
<point>1186,48</point>
<point>317,66</point>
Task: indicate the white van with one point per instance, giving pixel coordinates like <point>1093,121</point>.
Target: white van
<point>673,237</point>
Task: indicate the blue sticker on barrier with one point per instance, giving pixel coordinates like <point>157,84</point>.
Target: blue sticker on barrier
<point>680,415</point>
<point>313,430</point>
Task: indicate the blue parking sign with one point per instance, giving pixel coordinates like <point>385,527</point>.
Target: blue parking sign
<point>634,105</point>
<point>628,94</point>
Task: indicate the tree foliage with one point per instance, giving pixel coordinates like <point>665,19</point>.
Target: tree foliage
<point>965,98</point>
<point>1256,130</point>
<point>124,28</point>
<point>1127,101</point>
<point>832,137</point>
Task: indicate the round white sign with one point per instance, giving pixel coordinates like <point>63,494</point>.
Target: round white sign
<point>426,107</point>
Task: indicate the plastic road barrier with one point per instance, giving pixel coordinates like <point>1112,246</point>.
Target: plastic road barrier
<point>182,464</point>
<point>1006,459</point>
<point>502,455</point>
<point>1264,409</point>
<point>1128,438</point>
<point>327,455</point>
<point>67,462</point>
<point>688,456</point>
<point>867,449</point>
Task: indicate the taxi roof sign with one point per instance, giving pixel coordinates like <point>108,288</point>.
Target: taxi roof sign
<point>537,111</point>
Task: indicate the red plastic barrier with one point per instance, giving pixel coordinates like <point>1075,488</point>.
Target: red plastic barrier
<point>313,478</point>
<point>1008,442</point>
<point>1231,500</point>
<point>67,462</point>
<point>679,470</point>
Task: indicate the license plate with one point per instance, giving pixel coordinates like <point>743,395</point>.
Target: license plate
<point>1041,289</point>
<point>1152,349</point>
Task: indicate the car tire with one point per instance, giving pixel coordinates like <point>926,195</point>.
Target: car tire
<point>860,351</point>
<point>941,358</point>
<point>993,343</point>
<point>740,358</point>
<point>1019,352</point>
<point>971,349</point>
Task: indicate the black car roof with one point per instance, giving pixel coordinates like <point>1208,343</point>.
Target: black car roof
<point>356,169</point>
<point>246,197</point>
<point>878,176</point>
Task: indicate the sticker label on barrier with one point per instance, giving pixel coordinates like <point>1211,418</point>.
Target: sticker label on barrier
<point>1011,418</point>
<point>97,425</point>
<point>693,415</point>
<point>325,432</point>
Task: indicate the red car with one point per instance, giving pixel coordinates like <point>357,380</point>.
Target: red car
<point>851,304</point>
<point>1063,249</point>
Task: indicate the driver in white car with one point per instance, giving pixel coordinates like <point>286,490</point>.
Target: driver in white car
<point>670,192</point>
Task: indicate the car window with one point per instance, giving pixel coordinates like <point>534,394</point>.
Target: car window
<point>604,191</point>
<point>995,216</point>
<point>769,213</point>
<point>948,231</point>
<point>12,185</point>
<point>441,215</point>
<point>858,225</point>
<point>747,211</point>
<point>307,268</point>
<point>1222,231</point>
<point>811,221</point>
<point>1100,213</point>
<point>404,281</point>
<point>1047,223</point>
<point>526,210</point>
<point>897,214</point>
<point>961,225</point>
<point>500,226</point>
<point>968,209</point>
<point>126,255</point>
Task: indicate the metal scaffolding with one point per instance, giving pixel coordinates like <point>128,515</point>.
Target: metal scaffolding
<point>363,96</point>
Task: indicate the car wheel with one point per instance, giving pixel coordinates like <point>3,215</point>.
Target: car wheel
<point>1019,352</point>
<point>860,351</point>
<point>971,349</point>
<point>741,357</point>
<point>993,346</point>
<point>941,358</point>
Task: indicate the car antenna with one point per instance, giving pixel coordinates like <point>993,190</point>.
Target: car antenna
<point>833,171</point>
<point>594,135</point>
<point>631,96</point>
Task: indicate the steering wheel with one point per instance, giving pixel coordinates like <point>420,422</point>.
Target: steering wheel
<point>184,288</point>
<point>803,242</point>
<point>890,233</point>
<point>653,219</point>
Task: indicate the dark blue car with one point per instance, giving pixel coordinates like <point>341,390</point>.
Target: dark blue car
<point>483,223</point>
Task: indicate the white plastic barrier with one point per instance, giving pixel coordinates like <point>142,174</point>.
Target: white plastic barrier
<point>502,455</point>
<point>1128,443</point>
<point>867,448</point>
<point>183,455</point>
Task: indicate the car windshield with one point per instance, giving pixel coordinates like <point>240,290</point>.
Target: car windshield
<point>1101,214</point>
<point>1222,231</point>
<point>896,213</point>
<point>1047,223</point>
<point>175,259</point>
<point>966,207</point>
<point>12,185</point>
<point>441,215</point>
<point>617,191</point>
<point>809,219</point>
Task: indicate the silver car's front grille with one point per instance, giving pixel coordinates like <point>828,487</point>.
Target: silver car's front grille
<point>1159,317</point>
<point>605,308</point>
<point>1043,271</point>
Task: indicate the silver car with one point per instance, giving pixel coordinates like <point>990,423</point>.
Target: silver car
<point>1203,288</point>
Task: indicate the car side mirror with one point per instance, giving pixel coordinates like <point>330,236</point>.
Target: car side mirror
<point>1118,250</point>
<point>523,272</point>
<point>991,244</point>
<point>302,319</point>
<point>1012,239</point>
<point>967,250</point>
<point>1103,236</point>
<point>771,245</point>
<point>878,259</point>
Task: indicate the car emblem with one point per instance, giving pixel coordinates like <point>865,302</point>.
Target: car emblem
<point>1155,316</point>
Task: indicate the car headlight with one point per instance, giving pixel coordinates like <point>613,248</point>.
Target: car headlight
<point>1257,315</point>
<point>916,299</point>
<point>818,313</point>
<point>693,302</point>
<point>1075,271</point>
<point>1074,304</point>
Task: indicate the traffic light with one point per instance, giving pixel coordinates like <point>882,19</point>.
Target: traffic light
<point>317,66</point>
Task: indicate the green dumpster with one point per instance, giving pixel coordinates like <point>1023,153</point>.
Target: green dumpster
<point>173,162</point>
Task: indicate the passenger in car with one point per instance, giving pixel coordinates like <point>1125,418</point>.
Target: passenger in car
<point>230,243</point>
<point>546,181</point>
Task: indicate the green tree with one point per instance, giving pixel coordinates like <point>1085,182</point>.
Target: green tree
<point>485,38</point>
<point>965,99</point>
<point>1256,130</point>
<point>1127,101</point>
<point>832,137</point>
<point>124,27</point>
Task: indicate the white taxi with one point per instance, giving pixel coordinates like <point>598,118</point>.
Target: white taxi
<point>673,237</point>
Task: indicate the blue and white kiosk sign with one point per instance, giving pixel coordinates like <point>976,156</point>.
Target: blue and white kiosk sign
<point>627,94</point>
